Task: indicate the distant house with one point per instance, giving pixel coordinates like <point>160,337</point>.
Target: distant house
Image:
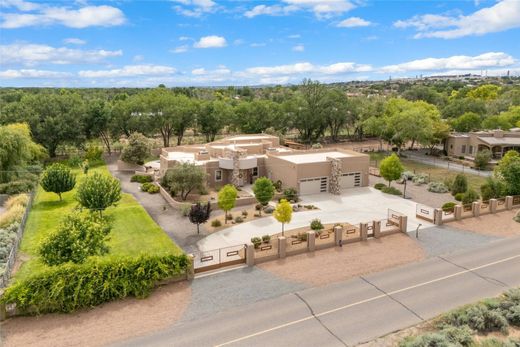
<point>497,141</point>
<point>241,159</point>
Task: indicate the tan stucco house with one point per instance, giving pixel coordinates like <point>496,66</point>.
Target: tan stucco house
<point>497,141</point>
<point>241,159</point>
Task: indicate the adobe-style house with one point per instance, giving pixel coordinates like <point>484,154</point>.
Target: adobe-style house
<point>241,159</point>
<point>497,141</point>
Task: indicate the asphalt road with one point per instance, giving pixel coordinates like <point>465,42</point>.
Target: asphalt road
<point>358,310</point>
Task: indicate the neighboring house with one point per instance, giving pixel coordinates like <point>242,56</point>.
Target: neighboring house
<point>497,141</point>
<point>241,159</point>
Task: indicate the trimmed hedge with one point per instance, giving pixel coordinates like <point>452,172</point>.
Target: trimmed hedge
<point>68,287</point>
<point>141,178</point>
<point>379,186</point>
<point>391,190</point>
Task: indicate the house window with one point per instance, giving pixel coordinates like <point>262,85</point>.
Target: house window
<point>470,149</point>
<point>463,149</point>
<point>451,146</point>
<point>218,175</point>
<point>255,171</point>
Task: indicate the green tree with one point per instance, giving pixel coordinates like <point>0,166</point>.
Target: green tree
<point>484,92</point>
<point>376,126</point>
<point>57,178</point>
<point>97,122</point>
<point>508,158</point>
<point>492,189</point>
<point>264,190</point>
<point>308,111</point>
<point>98,192</point>
<point>227,197</point>
<point>183,178</point>
<point>497,122</point>
<point>459,185</point>
<point>509,170</point>
<point>470,196</point>
<point>137,150</point>
<point>391,168</point>
<point>283,213</point>
<point>77,238</point>
<point>336,111</point>
<point>199,214</point>
<point>467,122</point>
<point>212,118</point>
<point>482,159</point>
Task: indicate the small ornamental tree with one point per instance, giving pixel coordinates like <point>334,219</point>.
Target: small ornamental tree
<point>137,150</point>
<point>98,192</point>
<point>227,197</point>
<point>199,214</point>
<point>391,168</point>
<point>183,178</point>
<point>58,179</point>
<point>482,159</point>
<point>79,236</point>
<point>264,191</point>
<point>283,213</point>
<point>459,185</point>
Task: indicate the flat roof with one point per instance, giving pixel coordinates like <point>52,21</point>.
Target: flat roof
<point>247,137</point>
<point>316,157</point>
<point>185,157</point>
<point>514,141</point>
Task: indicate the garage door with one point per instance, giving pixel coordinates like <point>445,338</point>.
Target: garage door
<point>350,180</point>
<point>313,185</point>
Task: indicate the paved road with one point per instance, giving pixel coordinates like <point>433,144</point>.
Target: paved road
<point>358,310</point>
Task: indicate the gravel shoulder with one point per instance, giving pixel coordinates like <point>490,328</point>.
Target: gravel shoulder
<point>500,224</point>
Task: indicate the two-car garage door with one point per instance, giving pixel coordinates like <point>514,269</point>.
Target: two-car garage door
<point>321,184</point>
<point>350,180</point>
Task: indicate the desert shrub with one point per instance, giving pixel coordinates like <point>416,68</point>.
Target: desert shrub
<point>266,238</point>
<point>470,196</point>
<point>449,206</point>
<point>379,186</point>
<point>448,182</point>
<point>290,194</point>
<point>12,215</point>
<point>420,178</point>
<point>316,224</point>
<point>185,209</point>
<point>478,317</point>
<point>391,190</point>
<point>426,340</point>
<point>229,216</point>
<point>258,207</point>
<point>238,219</point>
<point>269,209</point>
<point>17,187</point>
<point>141,178</point>
<point>459,336</point>
<point>256,241</point>
<point>460,184</point>
<point>215,223</point>
<point>437,187</point>
<point>94,153</point>
<point>482,159</point>
<point>202,190</point>
<point>493,189</point>
<point>78,237</point>
<point>21,199</point>
<point>408,175</point>
<point>459,196</point>
<point>68,287</point>
<point>244,214</point>
<point>137,150</point>
<point>277,185</point>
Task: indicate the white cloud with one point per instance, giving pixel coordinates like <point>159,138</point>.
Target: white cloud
<point>194,8</point>
<point>212,41</point>
<point>320,8</point>
<point>308,68</point>
<point>257,44</point>
<point>20,5</point>
<point>138,58</point>
<point>180,49</point>
<point>294,36</point>
<point>299,48</point>
<point>31,73</point>
<point>458,62</point>
<point>184,38</point>
<point>74,41</point>
<point>74,18</point>
<point>33,54</point>
<point>129,71</point>
<point>502,16</point>
<point>353,22</point>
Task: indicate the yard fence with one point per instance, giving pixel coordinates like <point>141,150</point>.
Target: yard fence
<point>299,241</point>
<point>439,216</point>
<point>4,277</point>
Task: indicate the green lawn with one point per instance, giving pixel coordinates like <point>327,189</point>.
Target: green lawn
<point>133,232</point>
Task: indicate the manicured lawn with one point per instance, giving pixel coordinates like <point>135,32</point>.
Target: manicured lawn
<point>133,231</point>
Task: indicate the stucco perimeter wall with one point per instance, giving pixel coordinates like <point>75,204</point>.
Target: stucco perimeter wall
<point>278,169</point>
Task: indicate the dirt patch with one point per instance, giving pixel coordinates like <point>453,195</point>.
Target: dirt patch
<point>325,266</point>
<point>102,325</point>
<point>499,224</point>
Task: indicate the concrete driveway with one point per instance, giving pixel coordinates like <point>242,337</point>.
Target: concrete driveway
<point>354,205</point>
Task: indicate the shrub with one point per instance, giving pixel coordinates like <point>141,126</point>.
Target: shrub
<point>316,224</point>
<point>12,215</point>
<point>459,336</point>
<point>16,187</point>
<point>215,223</point>
<point>145,186</point>
<point>426,340</point>
<point>391,190</point>
<point>77,238</point>
<point>202,190</point>
<point>7,238</point>
<point>408,175</point>
<point>482,159</point>
<point>185,209</point>
<point>98,192</point>
<point>448,207</point>
<point>258,207</point>
<point>269,209</point>
<point>21,199</point>
<point>278,185</point>
<point>478,317</point>
<point>290,194</point>
<point>448,182</point>
<point>459,196</point>
<point>58,179</point>
<point>256,241</point>
<point>74,161</point>
<point>460,184</point>
<point>94,153</point>
<point>141,178</point>
<point>153,189</point>
<point>420,179</point>
<point>68,287</point>
<point>238,219</point>
<point>437,187</point>
<point>244,214</point>
<point>137,150</point>
<point>493,189</point>
<point>266,238</point>
<point>379,186</point>
<point>470,196</point>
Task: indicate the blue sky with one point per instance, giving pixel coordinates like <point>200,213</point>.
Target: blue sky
<point>239,42</point>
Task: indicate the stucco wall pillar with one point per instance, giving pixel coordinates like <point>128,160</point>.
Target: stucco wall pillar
<point>493,203</point>
<point>475,208</point>
<point>457,212</point>
<point>250,255</point>
<point>403,223</point>
<point>376,226</point>
<point>363,231</point>
<point>190,271</point>
<point>338,233</point>
<point>437,216</point>
<point>281,247</point>
<point>311,241</point>
<point>509,202</point>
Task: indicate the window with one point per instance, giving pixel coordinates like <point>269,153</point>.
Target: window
<point>463,149</point>
<point>218,175</point>
<point>451,146</point>
<point>470,149</point>
<point>255,171</point>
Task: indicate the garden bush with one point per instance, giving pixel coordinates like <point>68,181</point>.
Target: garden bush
<point>266,238</point>
<point>391,190</point>
<point>448,207</point>
<point>215,223</point>
<point>460,184</point>
<point>17,187</point>
<point>478,317</point>
<point>141,178</point>
<point>269,209</point>
<point>408,175</point>
<point>137,150</point>
<point>493,189</point>
<point>12,215</point>
<point>244,214</point>
<point>150,188</point>
<point>94,153</point>
<point>229,216</point>
<point>68,287</point>
<point>21,199</point>
<point>420,179</point>
<point>290,194</point>
<point>238,219</point>
<point>437,187</point>
<point>7,237</point>
<point>256,241</point>
<point>379,186</point>
<point>57,178</point>
<point>185,209</point>
<point>459,196</point>
<point>316,224</point>
<point>470,196</point>
<point>482,159</point>
<point>74,161</point>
